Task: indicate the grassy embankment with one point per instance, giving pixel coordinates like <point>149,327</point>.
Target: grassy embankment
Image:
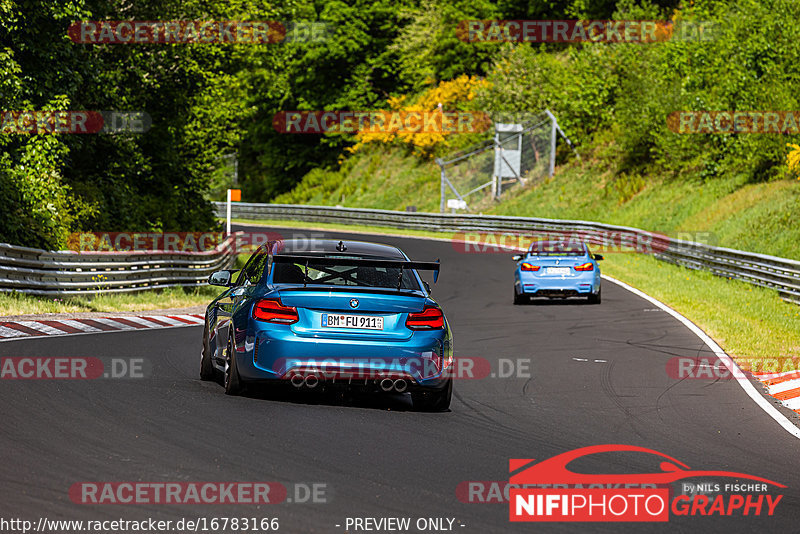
<point>173,297</point>
<point>19,304</point>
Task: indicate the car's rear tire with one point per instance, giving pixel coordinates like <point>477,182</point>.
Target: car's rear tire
<point>519,299</point>
<point>435,400</point>
<point>207,371</point>
<point>595,299</point>
<point>233,383</point>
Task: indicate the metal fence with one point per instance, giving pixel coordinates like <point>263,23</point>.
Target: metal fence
<point>68,273</point>
<point>518,154</point>
<point>780,274</point>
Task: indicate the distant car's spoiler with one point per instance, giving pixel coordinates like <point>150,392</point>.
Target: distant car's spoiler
<point>356,262</point>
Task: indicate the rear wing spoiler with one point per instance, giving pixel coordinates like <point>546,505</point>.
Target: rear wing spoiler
<point>356,262</point>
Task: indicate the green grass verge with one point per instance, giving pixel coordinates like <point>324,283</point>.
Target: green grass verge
<point>175,297</point>
<point>172,297</point>
<point>378,178</point>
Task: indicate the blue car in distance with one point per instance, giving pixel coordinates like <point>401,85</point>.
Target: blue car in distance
<point>325,313</point>
<point>557,269</point>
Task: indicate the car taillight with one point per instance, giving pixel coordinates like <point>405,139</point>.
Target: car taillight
<point>428,319</point>
<point>528,267</point>
<point>588,266</point>
<point>272,311</point>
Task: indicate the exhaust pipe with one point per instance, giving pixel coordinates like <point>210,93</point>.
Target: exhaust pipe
<point>311,381</point>
<point>400,385</point>
<point>387,384</point>
<point>297,381</point>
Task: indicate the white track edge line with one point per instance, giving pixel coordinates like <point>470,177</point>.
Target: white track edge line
<point>747,386</point>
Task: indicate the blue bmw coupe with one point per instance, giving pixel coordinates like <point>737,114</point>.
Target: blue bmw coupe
<point>557,270</point>
<point>330,313</point>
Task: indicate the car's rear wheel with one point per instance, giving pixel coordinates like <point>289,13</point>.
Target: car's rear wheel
<point>233,384</point>
<point>434,400</point>
<point>519,299</point>
<point>207,371</point>
<point>595,299</point>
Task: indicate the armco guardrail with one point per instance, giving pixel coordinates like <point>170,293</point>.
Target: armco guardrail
<point>65,273</point>
<point>780,274</point>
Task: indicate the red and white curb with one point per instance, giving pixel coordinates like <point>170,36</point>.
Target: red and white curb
<point>62,327</point>
<point>783,386</point>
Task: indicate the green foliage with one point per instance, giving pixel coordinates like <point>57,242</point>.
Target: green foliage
<point>206,101</point>
<point>627,185</point>
<point>428,48</point>
<point>376,177</point>
<point>37,208</point>
<point>352,68</point>
<point>53,185</point>
<point>745,63</point>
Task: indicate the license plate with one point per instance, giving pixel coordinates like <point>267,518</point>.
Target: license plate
<point>367,322</point>
<point>557,270</point>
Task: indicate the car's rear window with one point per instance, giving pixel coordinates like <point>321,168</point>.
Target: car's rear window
<point>550,248</point>
<point>341,275</point>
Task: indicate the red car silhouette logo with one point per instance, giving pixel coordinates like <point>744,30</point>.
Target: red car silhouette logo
<point>554,470</point>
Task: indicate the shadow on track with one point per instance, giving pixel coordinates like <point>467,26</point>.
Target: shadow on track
<point>327,395</point>
<point>567,301</point>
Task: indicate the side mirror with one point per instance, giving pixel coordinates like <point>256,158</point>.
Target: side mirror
<point>220,278</point>
<point>516,257</point>
<point>427,286</point>
<point>597,257</point>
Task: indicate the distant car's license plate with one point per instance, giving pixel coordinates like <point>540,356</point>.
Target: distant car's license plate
<point>557,270</point>
<point>368,322</point>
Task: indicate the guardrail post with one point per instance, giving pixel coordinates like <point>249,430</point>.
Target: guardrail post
<point>441,186</point>
<point>553,133</point>
<point>228,217</point>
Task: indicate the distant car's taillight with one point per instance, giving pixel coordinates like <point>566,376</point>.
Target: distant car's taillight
<point>272,311</point>
<point>528,267</point>
<point>428,319</point>
<point>588,266</point>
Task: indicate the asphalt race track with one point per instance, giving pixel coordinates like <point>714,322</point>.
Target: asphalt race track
<point>375,456</point>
